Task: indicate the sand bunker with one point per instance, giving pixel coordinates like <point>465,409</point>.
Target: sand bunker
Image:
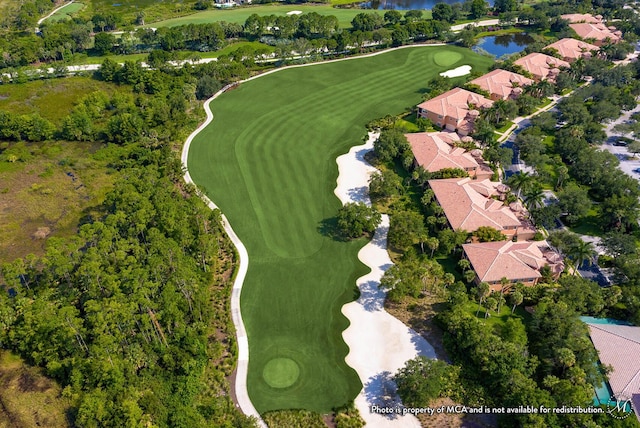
<point>457,72</point>
<point>379,344</point>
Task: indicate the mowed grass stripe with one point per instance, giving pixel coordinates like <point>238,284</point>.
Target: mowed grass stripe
<point>268,160</point>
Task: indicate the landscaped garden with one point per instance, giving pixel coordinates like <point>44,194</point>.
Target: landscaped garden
<point>268,161</point>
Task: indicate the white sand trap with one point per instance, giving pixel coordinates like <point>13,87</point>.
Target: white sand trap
<point>379,344</point>
<point>463,70</point>
<point>295,12</point>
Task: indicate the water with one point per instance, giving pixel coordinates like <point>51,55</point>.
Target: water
<point>407,4</point>
<point>504,45</point>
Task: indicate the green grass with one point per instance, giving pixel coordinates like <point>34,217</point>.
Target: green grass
<point>504,127</point>
<point>589,224</point>
<point>65,13</point>
<point>497,319</point>
<point>53,99</point>
<point>240,14</point>
<point>268,160</point>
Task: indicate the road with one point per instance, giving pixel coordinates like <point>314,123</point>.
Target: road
<point>627,162</point>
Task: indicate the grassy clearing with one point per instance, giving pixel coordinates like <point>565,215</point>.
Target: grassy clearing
<point>497,319</point>
<point>240,14</point>
<point>27,398</point>
<point>268,161</point>
<point>65,13</point>
<point>589,224</point>
<point>47,195</point>
<point>53,99</point>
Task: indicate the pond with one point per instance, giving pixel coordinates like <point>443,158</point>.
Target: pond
<point>504,45</point>
<point>407,4</point>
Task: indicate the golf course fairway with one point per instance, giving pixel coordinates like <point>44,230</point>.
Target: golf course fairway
<point>268,160</point>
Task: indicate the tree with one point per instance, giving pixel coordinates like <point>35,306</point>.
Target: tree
<point>433,244</point>
<point>356,219</point>
<point>581,252</point>
<point>534,198</point>
<point>405,228</point>
<point>367,22</point>
<point>444,12</point>
<point>574,202</point>
<point>516,298</point>
<point>392,16</point>
<point>502,6</point>
<point>482,292</point>
<point>422,380</point>
<point>491,305</point>
<point>385,185</point>
<point>103,43</point>
<point>479,8</point>
<point>391,145</point>
<point>634,147</point>
<point>488,234</point>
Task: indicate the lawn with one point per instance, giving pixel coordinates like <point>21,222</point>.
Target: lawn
<point>65,13</point>
<point>240,14</point>
<point>268,160</point>
<point>29,398</point>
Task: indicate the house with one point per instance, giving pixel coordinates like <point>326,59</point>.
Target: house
<point>502,84</point>
<point>518,262</point>
<point>469,204</point>
<point>455,110</point>
<point>435,151</point>
<point>618,347</point>
<point>575,18</point>
<point>572,49</point>
<point>542,66</point>
<point>599,33</point>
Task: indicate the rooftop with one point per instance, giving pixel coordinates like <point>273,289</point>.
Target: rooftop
<point>455,103</point>
<point>574,18</point>
<point>435,151</point>
<point>501,83</point>
<point>572,49</point>
<point>515,261</point>
<point>598,32</point>
<point>541,65</point>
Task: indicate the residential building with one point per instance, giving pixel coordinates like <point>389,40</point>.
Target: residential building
<point>572,49</point>
<point>455,110</point>
<point>435,151</point>
<point>599,33</point>
<point>518,262</point>
<point>542,66</point>
<point>618,347</point>
<point>575,18</point>
<point>502,84</point>
<point>469,204</point>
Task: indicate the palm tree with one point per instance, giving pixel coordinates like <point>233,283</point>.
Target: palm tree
<point>581,252</point>
<point>521,182</point>
<point>534,198</point>
<point>483,290</point>
<point>516,299</point>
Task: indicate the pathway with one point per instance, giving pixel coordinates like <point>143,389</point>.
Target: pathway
<point>41,20</point>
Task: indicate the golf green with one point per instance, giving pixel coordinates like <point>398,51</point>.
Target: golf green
<point>268,160</point>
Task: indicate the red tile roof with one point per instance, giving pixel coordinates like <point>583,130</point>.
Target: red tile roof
<point>455,103</point>
<point>540,65</point>
<point>516,261</point>
<point>582,17</point>
<point>435,151</point>
<point>598,32</point>
<point>467,204</point>
<point>572,49</point>
<point>500,83</point>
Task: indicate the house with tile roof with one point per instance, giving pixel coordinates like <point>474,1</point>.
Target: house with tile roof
<point>469,204</point>
<point>618,346</point>
<point>435,151</point>
<point>599,33</point>
<point>573,49</point>
<point>518,262</point>
<point>502,84</point>
<point>541,66</point>
<point>575,18</point>
<point>455,110</point>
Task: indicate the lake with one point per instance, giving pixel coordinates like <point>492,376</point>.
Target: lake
<point>407,4</point>
<point>504,45</point>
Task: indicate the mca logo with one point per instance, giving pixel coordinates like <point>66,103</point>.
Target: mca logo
<point>619,406</point>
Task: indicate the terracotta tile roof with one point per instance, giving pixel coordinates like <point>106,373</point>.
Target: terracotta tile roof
<point>516,261</point>
<point>582,17</point>
<point>500,83</point>
<point>619,347</point>
<point>435,151</point>
<point>540,65</point>
<point>598,32</point>
<point>572,48</point>
<point>455,103</point>
<point>467,204</point>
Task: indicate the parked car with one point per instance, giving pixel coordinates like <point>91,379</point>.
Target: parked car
<point>637,170</point>
<point>621,141</point>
